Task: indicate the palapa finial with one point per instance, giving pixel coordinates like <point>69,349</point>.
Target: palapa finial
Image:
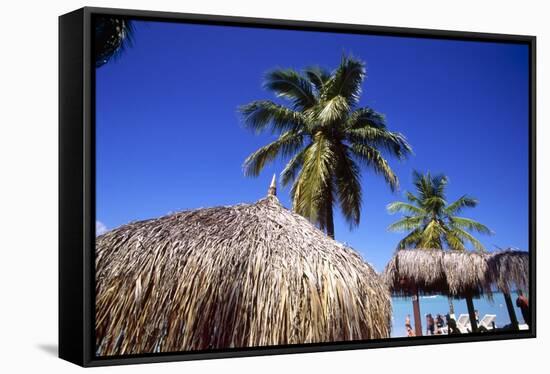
<point>272,191</point>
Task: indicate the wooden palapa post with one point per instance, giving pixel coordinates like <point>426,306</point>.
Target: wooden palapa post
<point>471,312</point>
<point>416,312</point>
<point>511,311</point>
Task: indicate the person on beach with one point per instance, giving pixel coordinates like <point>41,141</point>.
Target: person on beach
<point>451,325</point>
<point>439,323</point>
<point>523,303</point>
<point>408,327</point>
<point>430,325</point>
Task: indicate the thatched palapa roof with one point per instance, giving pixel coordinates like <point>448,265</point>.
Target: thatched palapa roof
<point>508,269</point>
<point>235,276</point>
<point>433,271</point>
<point>455,273</point>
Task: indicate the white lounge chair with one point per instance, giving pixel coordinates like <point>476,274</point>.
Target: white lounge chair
<point>487,321</point>
<point>463,323</point>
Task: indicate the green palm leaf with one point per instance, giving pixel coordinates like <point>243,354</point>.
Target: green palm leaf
<point>393,142</point>
<point>289,84</point>
<point>431,235</point>
<point>263,114</point>
<point>373,159</point>
<point>314,180</point>
<point>293,166</point>
<point>466,236</point>
<point>461,203</point>
<point>287,144</point>
<point>453,241</point>
<point>407,224</point>
<point>402,207</point>
<point>332,112</point>
<point>317,76</point>
<point>113,35</point>
<point>412,240</point>
<point>365,117</point>
<point>470,225</point>
<point>346,81</point>
<point>348,186</point>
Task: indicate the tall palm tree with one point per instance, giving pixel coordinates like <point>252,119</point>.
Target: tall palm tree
<point>431,222</point>
<point>112,36</point>
<point>325,136</point>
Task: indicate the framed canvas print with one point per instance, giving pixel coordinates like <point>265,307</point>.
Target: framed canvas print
<point>235,186</point>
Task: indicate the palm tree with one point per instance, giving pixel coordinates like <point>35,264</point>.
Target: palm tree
<point>325,137</point>
<point>431,222</point>
<point>434,224</point>
<point>112,36</point>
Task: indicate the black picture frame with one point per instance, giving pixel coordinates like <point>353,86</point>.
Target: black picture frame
<point>77,184</point>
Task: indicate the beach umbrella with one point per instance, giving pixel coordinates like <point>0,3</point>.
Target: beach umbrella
<point>233,276</point>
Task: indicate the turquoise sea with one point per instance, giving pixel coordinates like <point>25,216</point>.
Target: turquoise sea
<point>439,305</point>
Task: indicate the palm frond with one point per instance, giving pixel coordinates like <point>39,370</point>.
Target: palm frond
<point>431,235</point>
<point>465,236</point>
<point>412,199</point>
<point>365,117</point>
<point>407,224</point>
<point>470,225</point>
<point>402,207</point>
<point>113,35</point>
<point>348,187</point>
<point>291,169</point>
<point>332,111</point>
<point>411,240</point>
<point>373,158</point>
<point>346,81</point>
<point>461,203</point>
<point>393,142</point>
<point>313,180</point>
<point>285,145</point>
<point>434,203</point>
<point>289,84</point>
<point>429,186</point>
<point>422,184</point>
<point>439,183</point>
<point>453,241</point>
<point>318,76</point>
<point>261,114</point>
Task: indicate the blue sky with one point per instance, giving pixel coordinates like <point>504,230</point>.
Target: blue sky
<point>169,137</point>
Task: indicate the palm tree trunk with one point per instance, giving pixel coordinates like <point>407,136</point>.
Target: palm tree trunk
<point>451,306</point>
<point>330,221</point>
<point>329,215</point>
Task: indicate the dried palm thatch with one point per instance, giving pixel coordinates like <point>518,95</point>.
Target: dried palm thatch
<point>235,276</point>
<point>466,273</point>
<point>508,269</point>
<point>433,271</point>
